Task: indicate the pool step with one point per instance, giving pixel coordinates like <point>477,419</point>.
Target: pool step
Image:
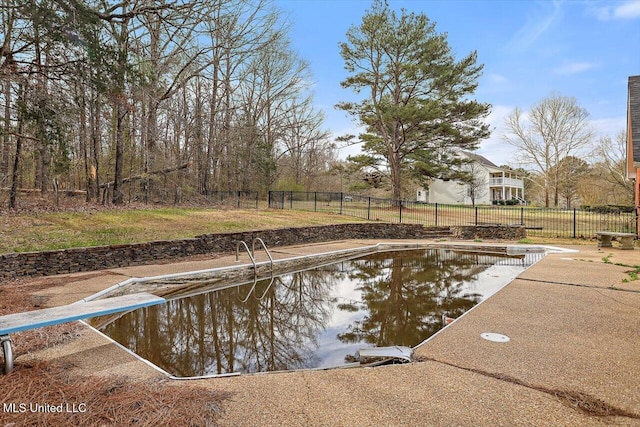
<point>437,232</point>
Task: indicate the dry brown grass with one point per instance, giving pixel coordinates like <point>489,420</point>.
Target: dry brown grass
<point>16,297</point>
<point>60,230</point>
<point>91,401</point>
<point>101,401</point>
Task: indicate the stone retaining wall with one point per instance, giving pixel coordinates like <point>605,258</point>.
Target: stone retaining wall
<point>500,232</point>
<point>98,258</point>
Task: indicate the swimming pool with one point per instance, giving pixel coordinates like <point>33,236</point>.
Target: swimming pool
<point>317,318</point>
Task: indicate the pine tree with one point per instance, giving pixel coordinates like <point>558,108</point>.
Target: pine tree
<point>417,110</point>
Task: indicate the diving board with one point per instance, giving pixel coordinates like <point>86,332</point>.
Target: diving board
<point>18,322</point>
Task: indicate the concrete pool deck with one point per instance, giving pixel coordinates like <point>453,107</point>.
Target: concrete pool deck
<point>574,327</point>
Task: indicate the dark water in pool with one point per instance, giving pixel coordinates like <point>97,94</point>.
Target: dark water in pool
<point>316,318</point>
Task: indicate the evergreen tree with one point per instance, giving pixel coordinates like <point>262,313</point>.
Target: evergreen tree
<point>417,110</point>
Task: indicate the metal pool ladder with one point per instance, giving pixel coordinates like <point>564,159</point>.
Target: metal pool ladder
<point>251,253</point>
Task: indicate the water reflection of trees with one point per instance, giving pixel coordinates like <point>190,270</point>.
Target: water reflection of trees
<point>214,333</point>
<point>405,295</point>
<point>277,327</point>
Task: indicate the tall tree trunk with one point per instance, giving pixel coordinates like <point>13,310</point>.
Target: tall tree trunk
<point>84,150</point>
<point>6,137</point>
<point>396,180</point>
<point>228,141</point>
<point>198,141</point>
<point>121,109</point>
<point>153,26</point>
<point>121,115</point>
<point>210,160</point>
<point>43,152</point>
<point>546,195</point>
<point>16,168</point>
<point>96,140</point>
<point>16,161</point>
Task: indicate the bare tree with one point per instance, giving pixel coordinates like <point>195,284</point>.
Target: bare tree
<point>612,154</point>
<point>553,129</point>
<point>7,64</point>
<point>114,92</point>
<point>305,143</point>
<point>475,181</point>
<point>571,171</point>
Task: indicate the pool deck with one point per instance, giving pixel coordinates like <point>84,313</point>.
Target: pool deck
<point>574,328</point>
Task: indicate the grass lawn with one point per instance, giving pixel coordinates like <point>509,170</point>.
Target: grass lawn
<point>540,222</point>
<point>61,230</point>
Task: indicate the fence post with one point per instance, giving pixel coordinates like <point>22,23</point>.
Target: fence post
<point>436,214</point>
<point>369,210</point>
<point>476,209</point>
<point>574,223</point>
<point>521,216</point>
<point>269,200</point>
<point>341,195</point>
<point>238,200</point>
<point>257,195</point>
<point>315,201</point>
<point>291,199</point>
<point>400,211</point>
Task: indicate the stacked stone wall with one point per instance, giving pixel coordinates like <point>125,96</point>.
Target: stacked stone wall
<point>65,261</point>
<point>493,232</point>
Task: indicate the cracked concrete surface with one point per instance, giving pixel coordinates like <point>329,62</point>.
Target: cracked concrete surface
<point>574,326</point>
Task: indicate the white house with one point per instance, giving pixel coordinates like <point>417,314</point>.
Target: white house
<point>491,184</point>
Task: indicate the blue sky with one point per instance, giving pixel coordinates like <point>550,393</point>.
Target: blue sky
<point>530,50</point>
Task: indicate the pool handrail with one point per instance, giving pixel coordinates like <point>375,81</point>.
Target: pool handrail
<point>255,268</point>
<point>243,243</point>
<point>264,246</point>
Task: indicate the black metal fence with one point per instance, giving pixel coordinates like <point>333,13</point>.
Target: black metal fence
<point>238,199</point>
<point>544,222</point>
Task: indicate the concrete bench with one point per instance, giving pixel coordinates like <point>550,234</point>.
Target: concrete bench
<point>17,322</point>
<point>605,238</point>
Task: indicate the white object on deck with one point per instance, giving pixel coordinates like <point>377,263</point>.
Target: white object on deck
<point>493,337</point>
<point>393,352</point>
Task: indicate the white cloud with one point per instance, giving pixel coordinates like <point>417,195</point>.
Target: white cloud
<point>345,150</point>
<point>497,78</point>
<point>495,148</point>
<point>610,126</point>
<point>535,26</point>
<point>493,83</point>
<point>570,68</point>
<point>498,151</point>
<point>628,10</point>
<point>624,10</point>
<point>498,114</point>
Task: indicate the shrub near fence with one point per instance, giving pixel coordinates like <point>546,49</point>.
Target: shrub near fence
<point>543,222</point>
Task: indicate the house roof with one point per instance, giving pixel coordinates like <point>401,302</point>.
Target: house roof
<point>634,116</point>
<point>480,159</point>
